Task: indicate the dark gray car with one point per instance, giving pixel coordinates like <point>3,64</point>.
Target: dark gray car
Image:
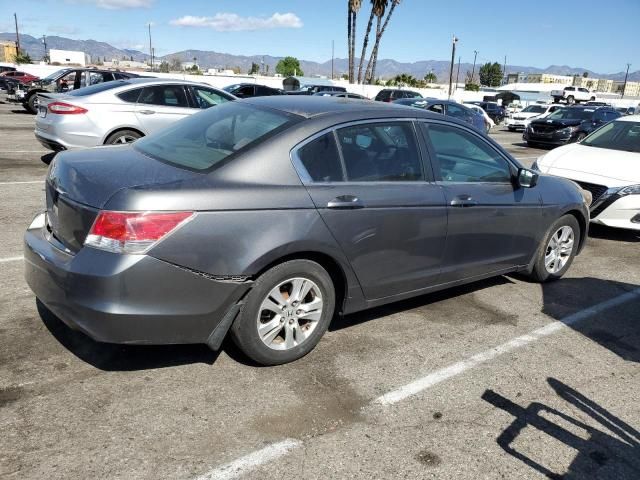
<point>263,217</point>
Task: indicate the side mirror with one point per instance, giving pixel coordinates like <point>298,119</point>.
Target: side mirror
<point>527,178</point>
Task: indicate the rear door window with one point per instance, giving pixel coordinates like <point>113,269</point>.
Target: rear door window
<point>130,96</point>
<point>319,160</point>
<point>164,95</point>
<point>380,152</point>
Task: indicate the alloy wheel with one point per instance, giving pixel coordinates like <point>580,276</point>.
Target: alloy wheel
<point>559,249</point>
<point>290,313</point>
<point>124,139</point>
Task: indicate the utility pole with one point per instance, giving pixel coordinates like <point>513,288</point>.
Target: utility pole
<point>153,57</point>
<point>150,48</point>
<point>473,71</point>
<point>504,69</point>
<point>44,40</point>
<point>453,59</point>
<point>626,75</point>
<point>15,17</point>
<point>457,74</point>
<point>332,55</point>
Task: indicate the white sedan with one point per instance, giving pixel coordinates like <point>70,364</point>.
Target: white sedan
<point>607,164</point>
<point>521,120</point>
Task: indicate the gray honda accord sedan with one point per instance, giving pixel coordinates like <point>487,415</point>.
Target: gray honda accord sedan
<point>263,218</point>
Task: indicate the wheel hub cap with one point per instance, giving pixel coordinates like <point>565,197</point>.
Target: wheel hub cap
<point>289,313</point>
<point>559,249</point>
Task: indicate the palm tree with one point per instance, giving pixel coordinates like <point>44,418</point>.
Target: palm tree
<point>430,77</point>
<point>371,68</point>
<point>353,6</point>
<point>375,6</point>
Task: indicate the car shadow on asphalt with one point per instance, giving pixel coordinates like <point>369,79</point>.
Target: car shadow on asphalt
<point>112,357</point>
<point>607,447</point>
<point>22,112</point>
<point>603,232</point>
<point>351,320</point>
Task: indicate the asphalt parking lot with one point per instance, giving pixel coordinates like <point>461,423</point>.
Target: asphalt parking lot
<point>499,379</point>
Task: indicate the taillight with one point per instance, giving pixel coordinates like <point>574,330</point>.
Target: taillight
<point>133,232</point>
<point>62,108</point>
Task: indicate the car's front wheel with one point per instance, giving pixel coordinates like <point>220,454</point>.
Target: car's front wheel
<point>286,313</point>
<point>558,249</point>
<point>31,105</point>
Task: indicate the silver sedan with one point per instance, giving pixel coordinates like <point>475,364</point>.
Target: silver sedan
<point>120,111</point>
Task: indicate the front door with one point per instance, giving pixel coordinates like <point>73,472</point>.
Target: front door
<point>368,182</point>
<point>492,222</point>
<point>161,105</point>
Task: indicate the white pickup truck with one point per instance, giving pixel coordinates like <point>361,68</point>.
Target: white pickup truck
<point>573,95</point>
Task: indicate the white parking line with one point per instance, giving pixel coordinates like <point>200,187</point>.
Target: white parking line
<point>21,183</point>
<point>251,461</point>
<point>443,374</point>
<point>10,259</point>
<point>271,452</point>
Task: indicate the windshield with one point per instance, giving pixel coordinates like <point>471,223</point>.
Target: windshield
<point>624,136</point>
<point>97,88</point>
<point>205,140</point>
<point>571,114</point>
<point>534,109</point>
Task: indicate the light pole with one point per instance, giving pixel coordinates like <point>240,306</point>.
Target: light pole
<point>44,40</point>
<point>457,74</point>
<point>453,59</point>
<point>150,48</point>
<point>473,70</point>
<point>626,75</point>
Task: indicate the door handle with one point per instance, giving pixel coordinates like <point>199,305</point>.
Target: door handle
<point>463,201</point>
<point>147,112</point>
<point>345,202</point>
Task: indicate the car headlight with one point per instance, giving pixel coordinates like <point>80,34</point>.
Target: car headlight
<point>569,130</point>
<point>630,190</point>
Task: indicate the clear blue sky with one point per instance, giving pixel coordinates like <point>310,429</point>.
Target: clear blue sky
<point>529,33</point>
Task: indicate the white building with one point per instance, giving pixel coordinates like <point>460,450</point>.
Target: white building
<point>69,57</point>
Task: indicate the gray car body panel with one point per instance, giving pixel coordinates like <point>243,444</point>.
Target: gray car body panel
<point>255,211</point>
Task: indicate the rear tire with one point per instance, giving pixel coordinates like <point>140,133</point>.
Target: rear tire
<point>557,250</point>
<point>31,105</point>
<point>275,325</point>
<point>122,137</point>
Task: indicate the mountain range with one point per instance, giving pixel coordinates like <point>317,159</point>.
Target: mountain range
<point>386,68</point>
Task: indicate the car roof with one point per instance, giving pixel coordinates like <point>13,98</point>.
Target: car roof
<point>160,81</point>
<point>628,118</point>
<point>312,106</point>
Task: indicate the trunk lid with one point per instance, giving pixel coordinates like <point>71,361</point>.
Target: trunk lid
<point>80,183</point>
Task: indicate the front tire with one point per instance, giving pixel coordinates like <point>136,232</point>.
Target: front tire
<point>286,313</point>
<point>557,250</point>
<point>571,100</point>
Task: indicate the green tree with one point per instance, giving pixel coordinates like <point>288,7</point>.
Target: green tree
<point>472,87</point>
<point>585,74</point>
<point>255,69</point>
<point>353,6</point>
<point>175,65</point>
<point>288,67</point>
<point>430,77</point>
<point>22,57</point>
<point>491,74</point>
<point>164,67</point>
<point>381,27</point>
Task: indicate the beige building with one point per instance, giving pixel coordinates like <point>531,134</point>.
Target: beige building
<point>8,52</point>
<point>549,78</point>
<point>605,86</point>
<point>586,82</point>
<point>632,89</point>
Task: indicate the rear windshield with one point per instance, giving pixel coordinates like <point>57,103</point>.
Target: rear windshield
<point>572,114</point>
<point>535,109</point>
<point>97,88</point>
<point>210,138</point>
<point>624,136</point>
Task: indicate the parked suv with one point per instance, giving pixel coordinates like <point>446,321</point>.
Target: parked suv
<point>568,125</point>
<point>65,80</point>
<point>573,95</point>
<point>392,94</point>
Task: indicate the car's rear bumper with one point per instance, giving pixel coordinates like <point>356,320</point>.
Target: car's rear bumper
<point>133,299</point>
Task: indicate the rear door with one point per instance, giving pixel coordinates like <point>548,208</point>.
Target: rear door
<point>492,223</point>
<point>161,105</point>
<point>368,183</point>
